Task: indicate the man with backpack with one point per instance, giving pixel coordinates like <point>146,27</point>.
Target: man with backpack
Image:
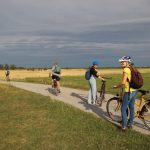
<point>55,74</point>
<point>131,80</point>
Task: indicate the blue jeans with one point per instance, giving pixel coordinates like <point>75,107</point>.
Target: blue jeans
<point>92,91</point>
<point>128,101</point>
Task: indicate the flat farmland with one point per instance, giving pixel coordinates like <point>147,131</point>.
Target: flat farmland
<point>21,74</point>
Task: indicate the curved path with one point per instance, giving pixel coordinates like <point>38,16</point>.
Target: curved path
<point>76,98</point>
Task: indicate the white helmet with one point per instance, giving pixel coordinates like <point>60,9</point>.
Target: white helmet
<point>125,58</point>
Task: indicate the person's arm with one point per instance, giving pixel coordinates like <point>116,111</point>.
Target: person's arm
<point>99,77</point>
<point>123,81</point>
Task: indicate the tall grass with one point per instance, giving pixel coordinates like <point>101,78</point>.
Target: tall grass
<point>30,121</point>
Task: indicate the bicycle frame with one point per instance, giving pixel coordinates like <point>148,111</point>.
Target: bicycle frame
<point>55,87</point>
<point>102,91</point>
<point>139,106</point>
<point>142,112</point>
<point>119,97</point>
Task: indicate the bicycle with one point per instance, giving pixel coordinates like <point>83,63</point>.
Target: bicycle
<point>102,92</point>
<point>142,108</point>
<point>55,88</point>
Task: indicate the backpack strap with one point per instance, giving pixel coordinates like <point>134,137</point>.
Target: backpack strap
<point>130,67</point>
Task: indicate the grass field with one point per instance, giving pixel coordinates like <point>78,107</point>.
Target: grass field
<point>29,121</point>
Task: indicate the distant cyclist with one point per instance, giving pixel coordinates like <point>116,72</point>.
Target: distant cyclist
<point>7,73</point>
<point>92,83</point>
<point>55,74</point>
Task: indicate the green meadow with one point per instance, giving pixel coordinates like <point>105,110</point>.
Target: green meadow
<point>30,121</point>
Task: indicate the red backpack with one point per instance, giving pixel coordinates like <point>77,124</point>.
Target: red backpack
<point>136,78</point>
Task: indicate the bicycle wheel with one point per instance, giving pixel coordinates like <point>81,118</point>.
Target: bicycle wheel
<point>101,98</point>
<point>55,88</point>
<point>145,115</point>
<point>114,109</point>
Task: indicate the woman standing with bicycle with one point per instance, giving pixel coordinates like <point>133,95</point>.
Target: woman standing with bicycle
<point>129,94</point>
<point>92,83</point>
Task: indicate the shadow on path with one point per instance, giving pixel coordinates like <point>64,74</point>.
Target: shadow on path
<point>97,110</point>
<point>80,96</point>
<point>51,91</point>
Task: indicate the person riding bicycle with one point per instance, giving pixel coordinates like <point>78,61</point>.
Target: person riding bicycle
<point>129,94</point>
<point>55,74</point>
<point>7,73</point>
<point>92,83</point>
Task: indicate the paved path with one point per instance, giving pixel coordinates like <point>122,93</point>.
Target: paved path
<point>76,98</point>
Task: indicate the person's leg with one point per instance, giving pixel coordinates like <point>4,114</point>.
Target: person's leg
<point>131,106</point>
<point>90,93</point>
<point>58,85</point>
<point>7,77</point>
<point>93,89</point>
<point>124,107</point>
<point>52,83</point>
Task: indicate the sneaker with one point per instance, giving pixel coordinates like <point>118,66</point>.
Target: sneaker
<point>89,103</point>
<point>122,129</point>
<point>129,126</point>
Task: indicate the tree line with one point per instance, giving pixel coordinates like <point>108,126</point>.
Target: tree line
<point>13,67</point>
<point>7,67</point>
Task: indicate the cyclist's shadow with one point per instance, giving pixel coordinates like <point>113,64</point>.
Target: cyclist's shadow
<point>50,90</point>
<point>97,110</point>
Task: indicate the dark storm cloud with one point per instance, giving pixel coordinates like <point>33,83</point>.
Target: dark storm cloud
<point>37,33</point>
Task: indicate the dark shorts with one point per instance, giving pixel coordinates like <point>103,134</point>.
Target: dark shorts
<point>7,75</point>
<point>55,77</point>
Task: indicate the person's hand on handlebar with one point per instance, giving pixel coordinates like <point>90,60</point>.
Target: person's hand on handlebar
<point>101,78</point>
<point>118,86</point>
<point>115,86</point>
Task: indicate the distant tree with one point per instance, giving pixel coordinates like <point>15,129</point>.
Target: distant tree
<point>13,67</point>
<point>1,67</point>
<point>21,68</point>
<point>44,68</point>
<point>39,69</point>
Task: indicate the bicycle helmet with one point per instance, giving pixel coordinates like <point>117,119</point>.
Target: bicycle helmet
<point>125,58</point>
<point>95,62</point>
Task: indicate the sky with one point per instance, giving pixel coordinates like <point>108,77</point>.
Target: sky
<point>38,33</point>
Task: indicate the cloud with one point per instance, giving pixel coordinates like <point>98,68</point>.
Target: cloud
<point>34,31</point>
<point>67,15</point>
